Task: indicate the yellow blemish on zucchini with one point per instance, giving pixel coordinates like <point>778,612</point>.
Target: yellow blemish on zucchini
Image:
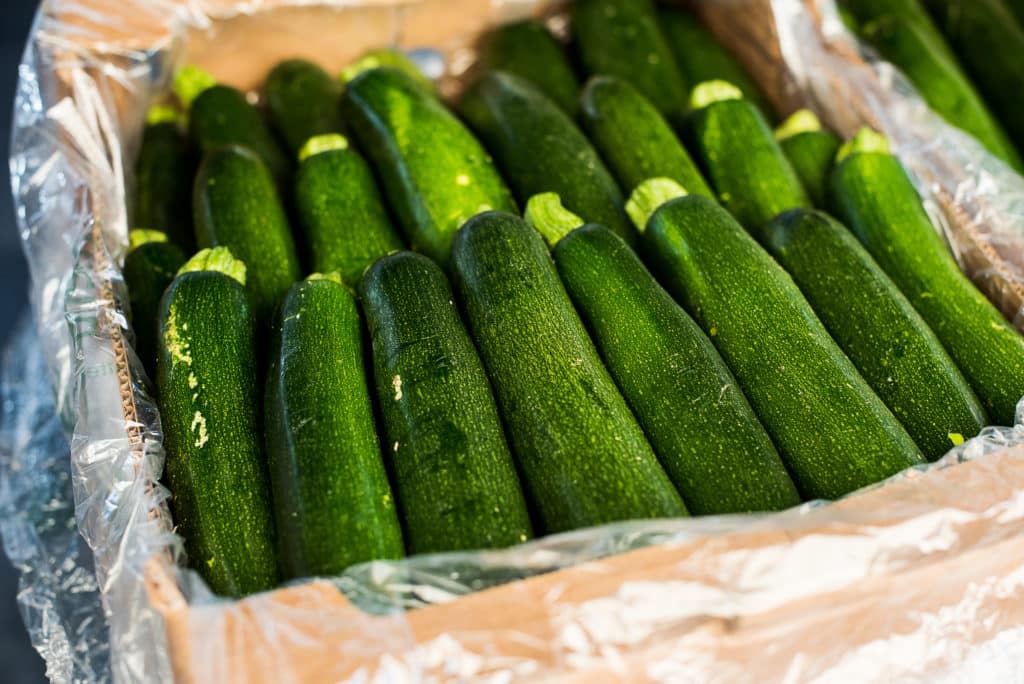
<point>462,179</point>
<point>211,561</point>
<point>523,537</point>
<point>956,438</point>
<point>193,381</point>
<point>395,448</point>
<point>396,384</point>
<point>199,427</point>
<point>713,331</point>
<point>176,344</point>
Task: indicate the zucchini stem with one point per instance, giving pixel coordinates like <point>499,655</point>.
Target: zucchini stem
<point>190,83</point>
<point>165,113</point>
<point>322,143</point>
<point>650,195</point>
<point>710,92</point>
<point>143,236</point>
<point>801,121</point>
<point>217,259</point>
<point>866,140</point>
<point>546,213</point>
<point>333,276</point>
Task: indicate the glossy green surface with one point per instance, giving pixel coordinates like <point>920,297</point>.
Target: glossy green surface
<point>303,100</point>
<point>163,183</point>
<point>148,270</point>
<point>811,154</point>
<point>528,50</point>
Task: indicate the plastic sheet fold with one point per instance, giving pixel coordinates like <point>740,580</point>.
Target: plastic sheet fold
<point>918,579</point>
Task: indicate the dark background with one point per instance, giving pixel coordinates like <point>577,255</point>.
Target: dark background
<point>19,662</point>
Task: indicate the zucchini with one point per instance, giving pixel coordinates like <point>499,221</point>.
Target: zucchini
<point>622,38</point>
<point>834,434</point>
<point>878,329</point>
<point>342,214</point>
<point>390,58</point>
<point>434,172</point>
<point>939,79</point>
<point>206,376</point>
<point>332,500</point>
<point>220,115</point>
<point>702,58</point>
<point>302,101</point>
<point>149,267</point>
<point>989,42</point>
<point>1017,7</point>
<point>163,178</point>
<point>633,137</point>
<point>741,157</point>
<point>540,149</point>
<point>454,476</point>
<point>702,428</point>
<point>873,195</point>
<point>583,457</point>
<point>528,50</point>
<point>810,150</point>
<point>236,206</point>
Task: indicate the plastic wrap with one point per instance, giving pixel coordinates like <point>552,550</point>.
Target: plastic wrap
<point>919,579</point>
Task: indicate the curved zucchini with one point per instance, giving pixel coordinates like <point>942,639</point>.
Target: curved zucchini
<point>455,480</point>
<point>332,499</point>
<point>528,50</point>
<point>206,375</point>
<point>875,325</point>
<point>340,209</point>
<point>810,150</point>
<point>149,267</point>
<point>434,172</point>
<point>540,149</point>
<point>834,434</point>
<point>236,206</point>
<point>584,459</point>
<point>634,138</point>
<point>302,101</point>
<point>163,179</point>
<point>874,196</point>
<point>701,426</point>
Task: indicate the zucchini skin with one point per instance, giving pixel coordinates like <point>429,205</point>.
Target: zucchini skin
<point>833,433</point>
<point>540,149</point>
<point>702,58</point>
<point>302,101</point>
<point>237,206</point>
<point>221,116</point>
<point>701,426</point>
<point>878,329</point>
<point>455,479</point>
<point>623,38</point>
<point>432,188</point>
<point>744,163</point>
<point>332,500</point>
<point>345,224</point>
<point>811,154</point>
<point>528,50</point>
<point>873,195</point>
<point>583,457</point>
<point>989,42</point>
<point>163,183</point>
<point>633,138</point>
<point>928,63</point>
<point>216,467</point>
<point>148,270</point>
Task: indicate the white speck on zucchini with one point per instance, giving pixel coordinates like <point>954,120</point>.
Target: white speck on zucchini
<point>199,427</point>
<point>176,344</point>
<point>396,383</point>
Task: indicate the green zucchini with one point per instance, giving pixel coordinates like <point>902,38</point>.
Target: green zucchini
<point>1017,7</point>
<point>622,38</point>
<point>454,475</point>
<point>834,434</point>
<point>873,195</point>
<point>741,157</point>
<point>206,375</point>
<point>939,79</point>
<point>390,58</point>
<point>702,58</point>
<point>332,500</point>
<point>236,205</point>
<point>810,150</point>
<point>528,50</point>
<point>701,426</point>
<point>163,178</point>
<point>633,137</point>
<point>149,267</point>
<point>878,329</point>
<point>220,115</point>
<point>989,42</point>
<point>434,172</point>
<point>302,101</point>
<point>540,149</point>
<point>340,210</point>
<point>583,457</point>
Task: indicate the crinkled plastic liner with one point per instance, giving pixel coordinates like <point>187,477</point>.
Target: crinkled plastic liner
<point>918,579</point>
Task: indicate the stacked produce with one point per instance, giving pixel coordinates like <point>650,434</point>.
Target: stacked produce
<point>576,296</point>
